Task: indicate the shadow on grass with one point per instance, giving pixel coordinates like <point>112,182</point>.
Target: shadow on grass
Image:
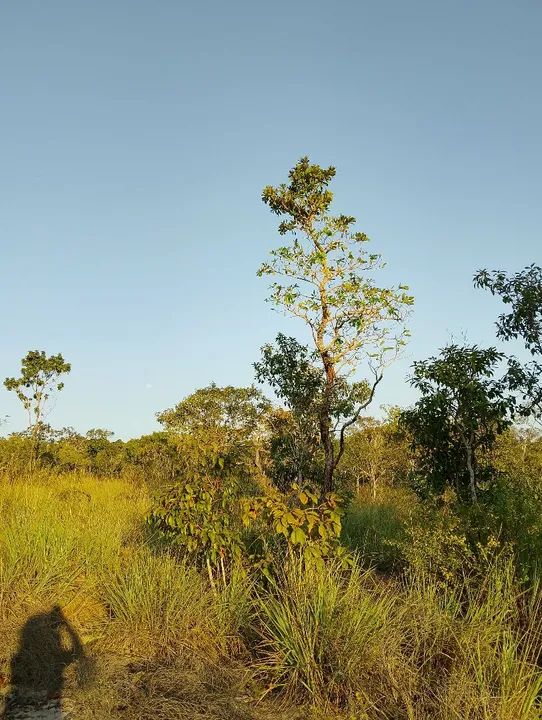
<point>48,644</point>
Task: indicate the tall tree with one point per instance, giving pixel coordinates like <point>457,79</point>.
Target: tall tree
<point>39,379</point>
<point>326,282</point>
<point>462,409</point>
<point>522,292</point>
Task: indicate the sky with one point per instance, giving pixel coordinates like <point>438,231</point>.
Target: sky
<point>136,137</point>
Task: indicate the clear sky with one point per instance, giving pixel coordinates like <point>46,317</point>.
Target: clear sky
<point>135,139</point>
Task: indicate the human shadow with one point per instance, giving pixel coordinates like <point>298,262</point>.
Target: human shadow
<point>48,644</point>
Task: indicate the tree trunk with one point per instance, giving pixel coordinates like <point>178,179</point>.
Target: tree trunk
<point>325,427</point>
<point>472,476</point>
<point>329,455</point>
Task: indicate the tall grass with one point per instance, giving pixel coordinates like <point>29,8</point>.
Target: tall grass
<point>159,607</point>
<point>375,527</point>
<point>380,649</point>
<point>331,642</point>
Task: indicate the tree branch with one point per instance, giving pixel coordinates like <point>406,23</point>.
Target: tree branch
<point>348,423</point>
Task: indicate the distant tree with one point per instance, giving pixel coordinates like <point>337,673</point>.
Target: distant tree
<point>523,293</point>
<point>376,452</point>
<point>99,434</point>
<point>518,453</point>
<point>327,284</point>
<point>39,378</point>
<point>461,411</point>
<point>154,459</point>
<point>219,425</point>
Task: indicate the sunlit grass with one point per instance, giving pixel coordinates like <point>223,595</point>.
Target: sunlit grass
<point>338,642</point>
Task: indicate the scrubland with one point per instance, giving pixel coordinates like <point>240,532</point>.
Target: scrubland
<point>339,640</point>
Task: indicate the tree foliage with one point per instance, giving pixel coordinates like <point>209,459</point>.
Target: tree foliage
<point>461,410</point>
<point>376,453</point>
<point>522,292</point>
<point>291,370</point>
<point>222,426</point>
<point>324,278</point>
<point>39,378</point>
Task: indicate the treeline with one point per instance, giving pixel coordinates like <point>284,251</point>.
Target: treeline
<point>238,428</point>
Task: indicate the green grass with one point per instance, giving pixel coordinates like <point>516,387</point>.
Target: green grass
<point>373,528</point>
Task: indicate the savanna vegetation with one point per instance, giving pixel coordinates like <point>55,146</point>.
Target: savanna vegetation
<point>279,550</point>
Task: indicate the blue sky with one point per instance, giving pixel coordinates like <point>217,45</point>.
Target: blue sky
<point>135,139</point>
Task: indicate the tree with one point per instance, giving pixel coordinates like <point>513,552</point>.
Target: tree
<point>462,409</point>
<point>294,450</point>
<point>40,377</point>
<point>523,293</point>
<point>219,424</point>
<point>326,282</point>
<point>291,371</point>
<point>288,369</point>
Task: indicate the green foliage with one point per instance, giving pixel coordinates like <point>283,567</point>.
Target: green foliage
<point>237,412</point>
<point>198,518</point>
<point>295,443</point>
<point>154,459</point>
<point>513,509</point>
<point>376,453</point>
<point>39,378</point>
<point>375,528</point>
<point>327,254</point>
<point>523,293</point>
<point>327,283</point>
<point>295,451</point>
<point>435,544</point>
<point>462,410</point>
<point>219,422</point>
<point>209,524</point>
<point>310,527</point>
<point>290,369</point>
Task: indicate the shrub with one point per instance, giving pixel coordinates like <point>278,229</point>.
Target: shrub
<point>198,519</point>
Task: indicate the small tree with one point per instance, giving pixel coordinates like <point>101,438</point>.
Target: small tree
<point>39,379</point>
<point>462,409</point>
<point>288,369</point>
<point>327,283</point>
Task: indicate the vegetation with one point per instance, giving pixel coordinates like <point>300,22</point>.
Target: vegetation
<point>40,376</point>
<point>461,411</point>
<point>328,284</point>
<point>290,558</point>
